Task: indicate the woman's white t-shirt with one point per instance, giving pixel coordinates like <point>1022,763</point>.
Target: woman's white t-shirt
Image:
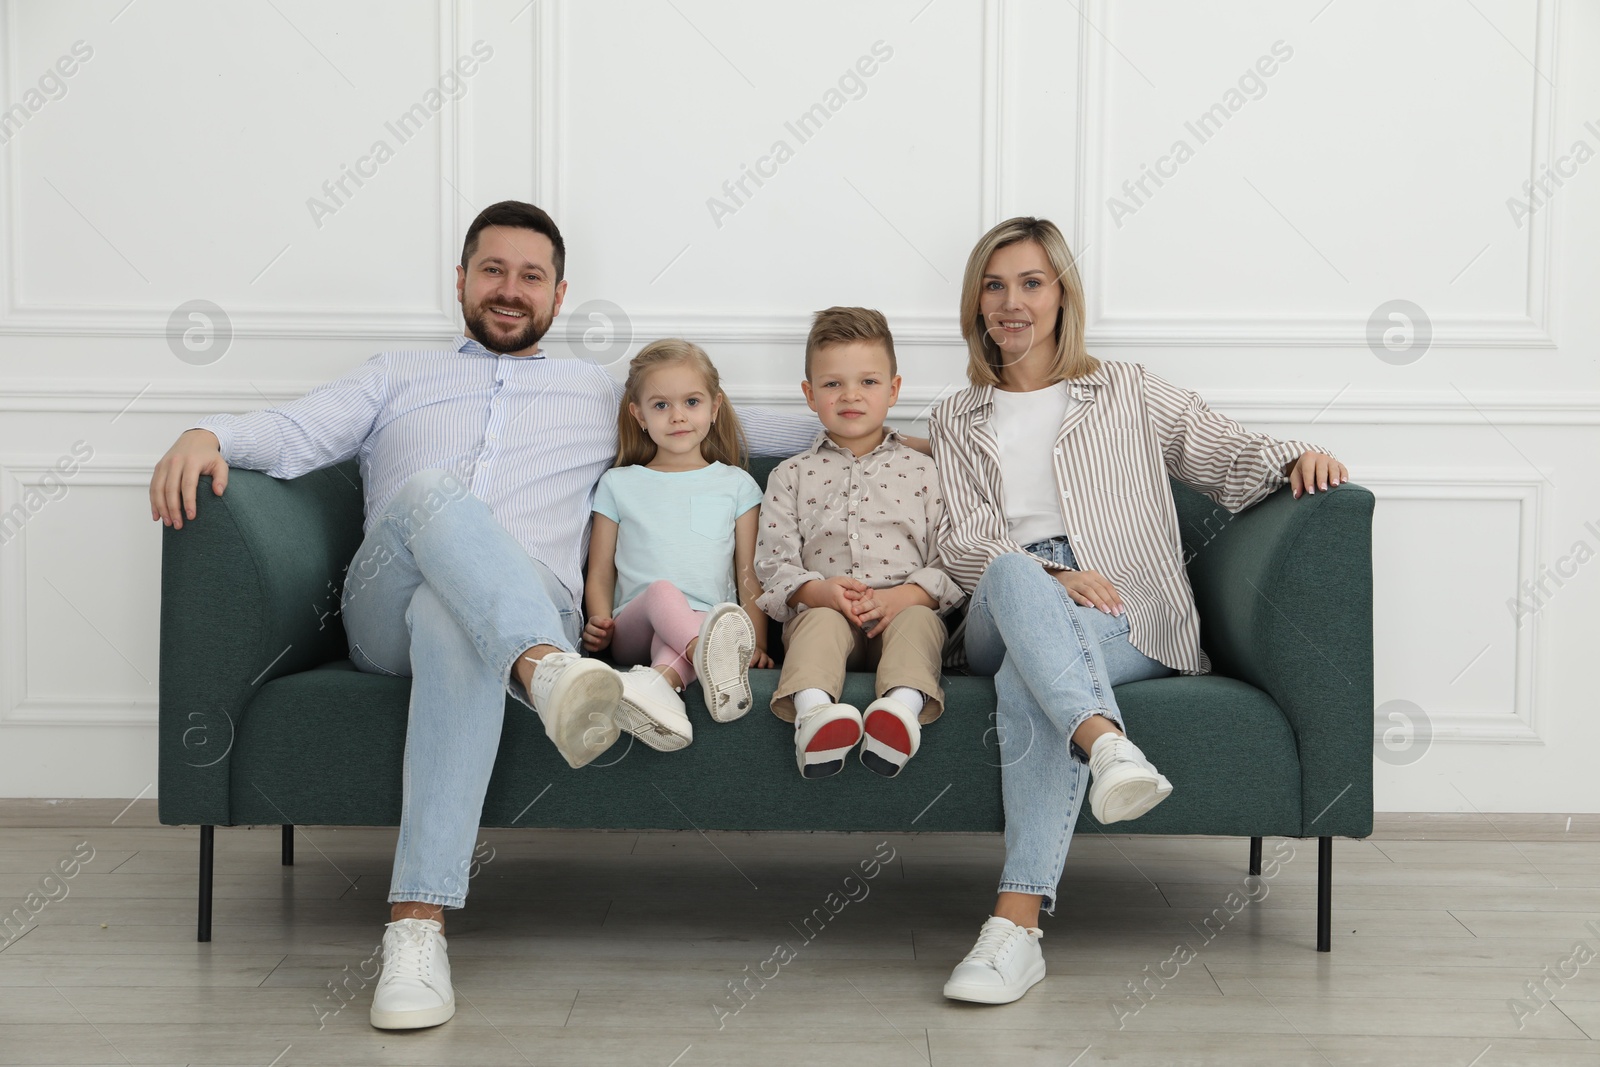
<point>1026,426</point>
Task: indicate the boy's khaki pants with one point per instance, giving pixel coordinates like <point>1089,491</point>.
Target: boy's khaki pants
<point>820,645</point>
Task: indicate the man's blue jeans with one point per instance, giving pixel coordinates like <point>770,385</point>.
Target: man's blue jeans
<point>440,592</point>
<point>1054,664</point>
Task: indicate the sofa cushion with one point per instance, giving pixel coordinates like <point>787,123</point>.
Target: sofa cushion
<point>324,746</point>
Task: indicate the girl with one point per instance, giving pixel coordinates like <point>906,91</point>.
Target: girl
<point>674,522</point>
<point>1059,522</point>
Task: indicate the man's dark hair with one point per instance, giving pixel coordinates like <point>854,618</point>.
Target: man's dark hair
<point>521,216</point>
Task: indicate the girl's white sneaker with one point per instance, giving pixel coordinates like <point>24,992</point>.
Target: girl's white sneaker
<point>652,711</point>
<point>722,661</point>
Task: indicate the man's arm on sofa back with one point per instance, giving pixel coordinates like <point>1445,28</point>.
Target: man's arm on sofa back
<point>249,592</point>
<point>1284,591</point>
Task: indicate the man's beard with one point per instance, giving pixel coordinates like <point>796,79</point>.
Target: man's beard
<point>494,336</point>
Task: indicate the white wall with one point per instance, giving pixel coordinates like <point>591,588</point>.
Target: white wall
<point>1374,164</point>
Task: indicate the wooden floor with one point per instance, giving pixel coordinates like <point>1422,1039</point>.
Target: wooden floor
<point>619,949</point>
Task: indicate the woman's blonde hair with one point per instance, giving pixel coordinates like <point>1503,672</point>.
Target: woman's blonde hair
<point>724,444</point>
<point>985,361</point>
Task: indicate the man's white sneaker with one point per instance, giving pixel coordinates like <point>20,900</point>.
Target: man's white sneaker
<point>893,736</point>
<point>1125,784</point>
<point>652,711</point>
<point>722,661</point>
<point>414,990</point>
<point>1003,965</point>
<point>823,737</point>
<point>577,698</point>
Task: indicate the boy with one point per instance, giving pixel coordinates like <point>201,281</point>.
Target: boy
<point>847,560</point>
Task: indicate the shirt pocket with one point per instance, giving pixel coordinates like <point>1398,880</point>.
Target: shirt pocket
<point>711,516</point>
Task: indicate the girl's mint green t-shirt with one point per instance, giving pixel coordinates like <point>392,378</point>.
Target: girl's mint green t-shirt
<point>676,526</point>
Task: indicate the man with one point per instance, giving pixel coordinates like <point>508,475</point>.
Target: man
<point>479,464</point>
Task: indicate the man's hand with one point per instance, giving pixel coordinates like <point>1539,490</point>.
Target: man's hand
<point>1313,471</point>
<point>759,660</point>
<point>1090,589</point>
<point>879,607</point>
<point>841,594</point>
<point>597,632</point>
<point>172,486</point>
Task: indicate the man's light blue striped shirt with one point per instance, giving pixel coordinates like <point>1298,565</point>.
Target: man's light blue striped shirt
<point>530,435</point>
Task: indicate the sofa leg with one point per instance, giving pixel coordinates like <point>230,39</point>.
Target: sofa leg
<point>207,841</point>
<point>288,845</point>
<point>1255,856</point>
<point>1324,894</point>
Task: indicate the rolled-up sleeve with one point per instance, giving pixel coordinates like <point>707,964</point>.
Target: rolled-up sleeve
<point>779,567</point>
<point>326,426</point>
<point>1233,466</point>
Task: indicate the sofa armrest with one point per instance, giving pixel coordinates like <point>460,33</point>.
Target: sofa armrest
<point>249,592</point>
<point>1284,591</point>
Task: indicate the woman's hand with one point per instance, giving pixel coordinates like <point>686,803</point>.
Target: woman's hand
<point>597,632</point>
<point>1313,471</point>
<point>759,660</point>
<point>1091,589</point>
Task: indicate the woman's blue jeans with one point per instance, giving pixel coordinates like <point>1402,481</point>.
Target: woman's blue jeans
<point>441,592</point>
<point>1054,664</point>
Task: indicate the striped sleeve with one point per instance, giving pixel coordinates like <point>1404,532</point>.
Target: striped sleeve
<point>777,433</point>
<point>326,426</point>
<point>972,530</point>
<point>1233,466</point>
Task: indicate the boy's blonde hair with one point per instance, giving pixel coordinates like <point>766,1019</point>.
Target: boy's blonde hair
<point>837,325</point>
<point>724,444</point>
<point>984,358</point>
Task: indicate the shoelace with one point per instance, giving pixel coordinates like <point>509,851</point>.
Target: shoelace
<point>407,956</point>
<point>990,942</point>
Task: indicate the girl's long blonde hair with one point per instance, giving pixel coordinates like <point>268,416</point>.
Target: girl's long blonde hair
<point>985,361</point>
<point>726,441</point>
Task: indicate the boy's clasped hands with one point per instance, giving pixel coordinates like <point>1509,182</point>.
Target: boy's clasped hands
<point>871,609</point>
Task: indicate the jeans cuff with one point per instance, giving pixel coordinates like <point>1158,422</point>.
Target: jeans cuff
<point>508,678</point>
<point>1084,716</point>
<point>1047,905</point>
<point>441,899</point>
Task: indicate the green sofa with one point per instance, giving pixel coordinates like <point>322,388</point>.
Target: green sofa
<point>264,720</point>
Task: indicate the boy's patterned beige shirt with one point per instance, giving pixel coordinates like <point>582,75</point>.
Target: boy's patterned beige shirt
<point>828,513</point>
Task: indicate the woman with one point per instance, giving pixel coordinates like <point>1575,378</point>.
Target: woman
<point>1059,522</point>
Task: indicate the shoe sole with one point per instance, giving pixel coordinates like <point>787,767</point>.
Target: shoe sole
<point>413,1020</point>
<point>993,995</point>
<point>1126,800</point>
<point>887,748</point>
<point>824,754</point>
<point>633,719</point>
<point>722,660</point>
<point>586,700</point>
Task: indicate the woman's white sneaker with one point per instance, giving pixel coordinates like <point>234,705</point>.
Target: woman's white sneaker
<point>1125,785</point>
<point>823,737</point>
<point>414,990</point>
<point>722,661</point>
<point>577,699</point>
<point>652,711</point>
<point>893,736</point>
<point>1003,965</point>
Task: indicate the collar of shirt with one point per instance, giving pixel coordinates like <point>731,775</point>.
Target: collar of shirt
<point>891,437</point>
<point>467,346</point>
<point>979,399</point>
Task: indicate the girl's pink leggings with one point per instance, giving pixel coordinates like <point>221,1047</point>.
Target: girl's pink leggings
<point>655,627</point>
